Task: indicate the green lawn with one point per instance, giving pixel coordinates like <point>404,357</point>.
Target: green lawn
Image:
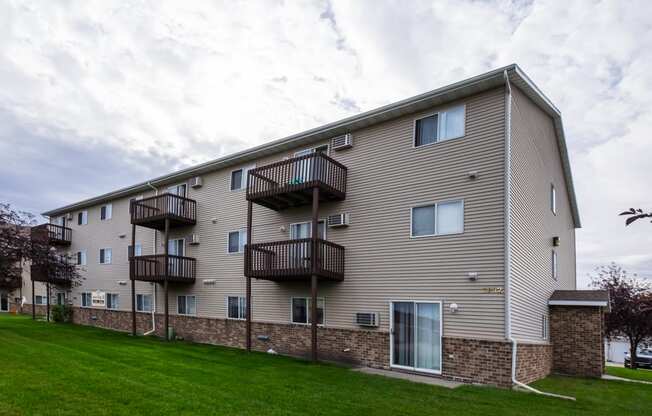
<point>638,374</point>
<point>64,369</point>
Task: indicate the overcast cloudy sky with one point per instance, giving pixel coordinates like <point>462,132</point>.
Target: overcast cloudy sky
<point>96,95</point>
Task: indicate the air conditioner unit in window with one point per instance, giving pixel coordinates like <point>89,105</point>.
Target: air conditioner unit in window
<point>338,220</point>
<point>193,239</point>
<point>69,217</point>
<point>196,182</point>
<point>369,319</point>
<point>342,142</point>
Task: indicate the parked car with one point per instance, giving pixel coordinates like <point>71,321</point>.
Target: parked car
<point>643,359</point>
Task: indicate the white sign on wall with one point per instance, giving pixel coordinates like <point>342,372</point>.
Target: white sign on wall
<point>98,298</point>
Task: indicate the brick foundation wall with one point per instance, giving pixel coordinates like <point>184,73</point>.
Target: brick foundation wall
<point>577,335</point>
<point>40,309</point>
<point>478,361</point>
<point>533,362</point>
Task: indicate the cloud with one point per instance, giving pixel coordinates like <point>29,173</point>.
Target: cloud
<point>97,95</point>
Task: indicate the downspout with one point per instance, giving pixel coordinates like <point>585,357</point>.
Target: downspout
<point>508,248</point>
<point>153,284</point>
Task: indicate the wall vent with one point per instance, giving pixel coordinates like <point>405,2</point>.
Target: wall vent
<point>338,220</point>
<point>342,142</point>
<point>369,319</point>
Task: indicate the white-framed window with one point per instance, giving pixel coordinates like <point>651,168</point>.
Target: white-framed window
<point>300,310</point>
<point>553,199</point>
<point>139,250</point>
<point>236,307</point>
<point>440,218</point>
<point>112,301</point>
<point>81,258</point>
<point>237,241</point>
<point>40,300</point>
<point>444,125</point>
<point>554,265</point>
<point>86,300</point>
<point>82,218</point>
<point>544,326</point>
<point>144,303</point>
<point>61,298</point>
<point>186,305</point>
<point>319,149</point>
<point>106,212</point>
<point>105,255</point>
<point>239,178</point>
<point>135,199</point>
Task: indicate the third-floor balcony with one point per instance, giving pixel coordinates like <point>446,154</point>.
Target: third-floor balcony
<point>53,234</point>
<point>292,260</point>
<point>153,211</point>
<point>289,183</point>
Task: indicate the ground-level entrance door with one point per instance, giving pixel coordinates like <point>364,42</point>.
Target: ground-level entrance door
<point>4,302</point>
<point>415,342</point>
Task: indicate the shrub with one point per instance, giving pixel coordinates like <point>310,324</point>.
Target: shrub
<point>61,313</point>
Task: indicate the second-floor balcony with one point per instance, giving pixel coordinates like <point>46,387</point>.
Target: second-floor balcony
<point>292,260</point>
<point>159,268</point>
<point>50,274</point>
<point>153,211</point>
<point>53,234</point>
<point>289,183</point>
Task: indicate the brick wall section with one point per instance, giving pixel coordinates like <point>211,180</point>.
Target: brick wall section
<point>533,362</point>
<point>478,361</point>
<point>577,335</point>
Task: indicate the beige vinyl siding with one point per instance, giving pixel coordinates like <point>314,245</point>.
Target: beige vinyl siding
<point>535,165</point>
<point>386,177</point>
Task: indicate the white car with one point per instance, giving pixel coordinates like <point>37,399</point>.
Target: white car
<point>643,358</point>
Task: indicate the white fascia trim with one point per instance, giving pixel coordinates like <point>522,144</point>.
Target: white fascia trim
<point>577,303</point>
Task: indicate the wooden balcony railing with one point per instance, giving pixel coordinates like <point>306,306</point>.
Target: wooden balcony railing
<point>153,211</point>
<point>153,268</point>
<point>53,234</point>
<point>45,273</point>
<point>289,182</point>
<point>291,260</point>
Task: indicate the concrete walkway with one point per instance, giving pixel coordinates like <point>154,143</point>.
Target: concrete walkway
<point>410,377</point>
<point>629,380</point>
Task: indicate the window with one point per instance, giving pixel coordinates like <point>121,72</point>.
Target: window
<point>41,300</point>
<point>112,301</point>
<point>106,212</point>
<point>237,240</point>
<point>105,256</point>
<point>82,218</point>
<point>81,258</point>
<point>301,311</point>
<point>139,250</point>
<point>144,303</point>
<point>186,305</point>
<point>86,300</point>
<point>438,219</point>
<point>239,178</point>
<point>555,266</point>
<point>445,125</point>
<point>553,199</point>
<point>134,200</point>
<point>237,307</point>
<point>61,298</point>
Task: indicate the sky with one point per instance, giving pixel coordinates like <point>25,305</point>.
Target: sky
<point>98,95</point>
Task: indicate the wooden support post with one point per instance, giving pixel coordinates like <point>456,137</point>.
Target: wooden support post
<point>33,301</point>
<point>247,260</point>
<point>313,262</point>
<point>47,301</point>
<point>132,276</point>
<point>165,283</point>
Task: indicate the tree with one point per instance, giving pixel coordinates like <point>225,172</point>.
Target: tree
<point>630,302</point>
<point>635,214</point>
<point>18,246</point>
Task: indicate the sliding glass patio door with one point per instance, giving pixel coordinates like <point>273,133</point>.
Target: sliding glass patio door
<point>416,336</point>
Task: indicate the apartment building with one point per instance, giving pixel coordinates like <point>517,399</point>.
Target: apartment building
<point>440,226</point>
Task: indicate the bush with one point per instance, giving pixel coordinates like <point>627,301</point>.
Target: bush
<point>61,313</point>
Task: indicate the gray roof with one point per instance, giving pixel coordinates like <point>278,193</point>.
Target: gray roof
<point>470,86</point>
<point>580,297</point>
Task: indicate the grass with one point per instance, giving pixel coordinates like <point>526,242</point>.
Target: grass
<point>638,374</point>
<point>63,369</point>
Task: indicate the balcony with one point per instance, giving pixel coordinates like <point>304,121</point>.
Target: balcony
<point>289,183</point>
<point>43,273</point>
<point>290,260</point>
<point>159,268</point>
<point>10,283</point>
<point>153,211</point>
<point>52,234</point>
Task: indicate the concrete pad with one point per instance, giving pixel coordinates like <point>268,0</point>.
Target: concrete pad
<point>629,380</point>
<point>415,378</point>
